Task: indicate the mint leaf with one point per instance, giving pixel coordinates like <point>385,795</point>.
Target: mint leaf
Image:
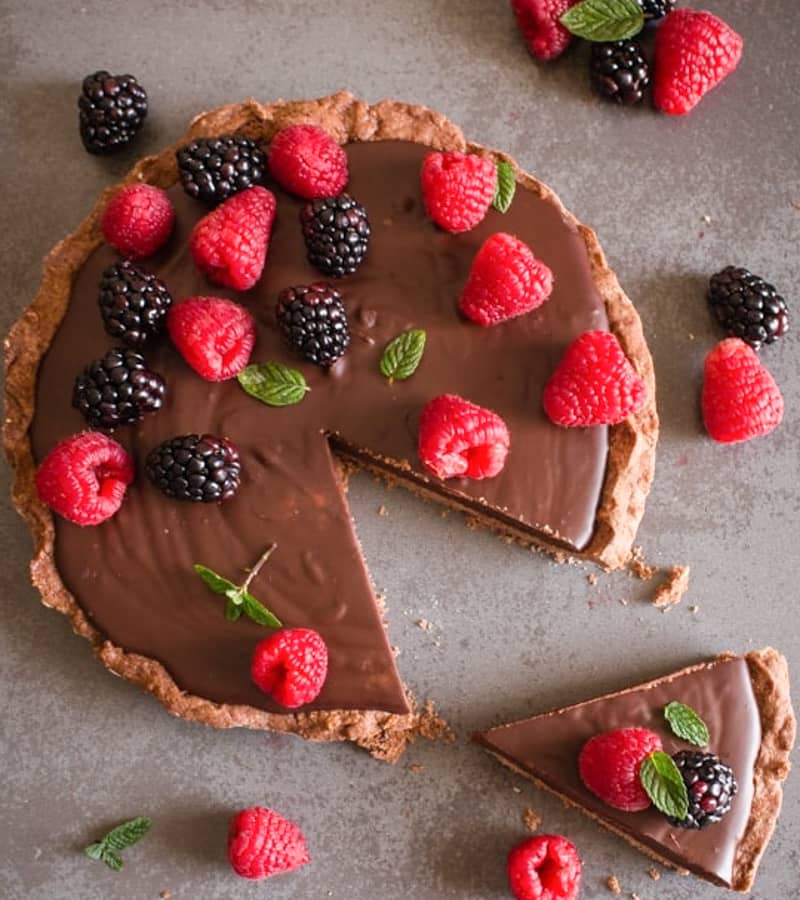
<point>686,724</point>
<point>128,833</point>
<point>232,611</point>
<point>125,835</point>
<point>402,355</point>
<point>259,613</point>
<point>506,186</point>
<point>662,781</point>
<point>604,20</point>
<point>273,383</point>
<point>238,599</point>
<point>217,583</point>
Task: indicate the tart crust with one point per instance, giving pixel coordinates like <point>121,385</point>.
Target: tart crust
<point>631,455</point>
<point>769,676</point>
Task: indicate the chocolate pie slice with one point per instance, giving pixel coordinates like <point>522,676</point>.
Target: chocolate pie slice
<point>744,700</point>
<point>128,584</point>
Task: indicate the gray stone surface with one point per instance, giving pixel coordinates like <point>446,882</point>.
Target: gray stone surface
<point>673,201</point>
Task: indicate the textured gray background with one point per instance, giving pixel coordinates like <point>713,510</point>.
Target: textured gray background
<point>513,633</point>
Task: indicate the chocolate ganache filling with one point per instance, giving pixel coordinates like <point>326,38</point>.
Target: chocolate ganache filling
<point>133,574</point>
<point>721,692</point>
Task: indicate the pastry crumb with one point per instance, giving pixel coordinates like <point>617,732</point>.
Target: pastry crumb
<point>634,895</point>
<point>515,789</point>
<point>165,895</point>
<point>623,601</point>
<point>530,820</point>
<point>416,768</point>
<point>671,590</point>
<point>592,579</point>
<point>382,510</point>
<point>424,624</point>
<point>638,567</point>
<point>694,610</point>
<point>654,873</point>
<point>613,885</point>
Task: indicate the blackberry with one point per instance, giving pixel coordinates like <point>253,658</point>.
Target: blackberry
<point>201,468</point>
<point>133,303</point>
<point>213,169</point>
<point>112,109</point>
<point>747,307</point>
<point>711,786</point>
<point>336,231</point>
<point>619,71</point>
<point>117,390</point>
<point>656,9</point>
<point>314,322</point>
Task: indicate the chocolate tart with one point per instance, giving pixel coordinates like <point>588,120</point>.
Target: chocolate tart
<point>128,586</point>
<point>745,702</point>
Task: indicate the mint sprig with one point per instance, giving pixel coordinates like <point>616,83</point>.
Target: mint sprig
<point>273,383</point>
<point>403,354</point>
<point>506,186</point>
<point>604,20</point>
<point>108,849</point>
<point>238,599</point>
<point>686,724</point>
<point>662,781</point>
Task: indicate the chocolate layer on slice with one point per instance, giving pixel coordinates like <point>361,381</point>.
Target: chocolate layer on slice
<point>129,584</point>
<point>745,702</point>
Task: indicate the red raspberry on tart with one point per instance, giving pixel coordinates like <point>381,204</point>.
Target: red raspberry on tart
<point>230,243</point>
<point>307,161</point>
<point>215,336</point>
<point>84,478</point>
<point>593,384</point>
<point>138,220</point>
<point>291,666</point>
<point>460,439</point>
<point>609,764</point>
<point>457,189</point>
<point>505,281</point>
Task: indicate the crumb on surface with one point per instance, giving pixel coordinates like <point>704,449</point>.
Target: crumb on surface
<point>671,590</point>
<point>530,820</point>
<point>165,895</point>
<point>416,768</point>
<point>424,624</point>
<point>613,885</point>
<point>638,567</point>
<point>382,510</point>
<point>694,610</point>
<point>654,873</point>
<point>515,789</point>
<point>592,579</point>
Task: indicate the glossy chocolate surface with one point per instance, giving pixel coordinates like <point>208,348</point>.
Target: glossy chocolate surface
<point>133,574</point>
<point>547,747</point>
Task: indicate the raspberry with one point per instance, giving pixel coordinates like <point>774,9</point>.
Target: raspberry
<point>544,867</point>
<point>83,478</point>
<point>506,280</point>
<point>609,766</point>
<point>740,398</point>
<point>214,336</point>
<point>459,439</point>
<point>138,220</point>
<point>262,843</point>
<point>457,188</point>
<point>230,243</point>
<point>593,384</point>
<point>291,666</point>
<point>539,22</point>
<point>307,161</point>
<point>694,51</point>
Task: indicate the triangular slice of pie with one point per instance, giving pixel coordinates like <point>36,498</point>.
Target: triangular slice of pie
<point>745,702</point>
